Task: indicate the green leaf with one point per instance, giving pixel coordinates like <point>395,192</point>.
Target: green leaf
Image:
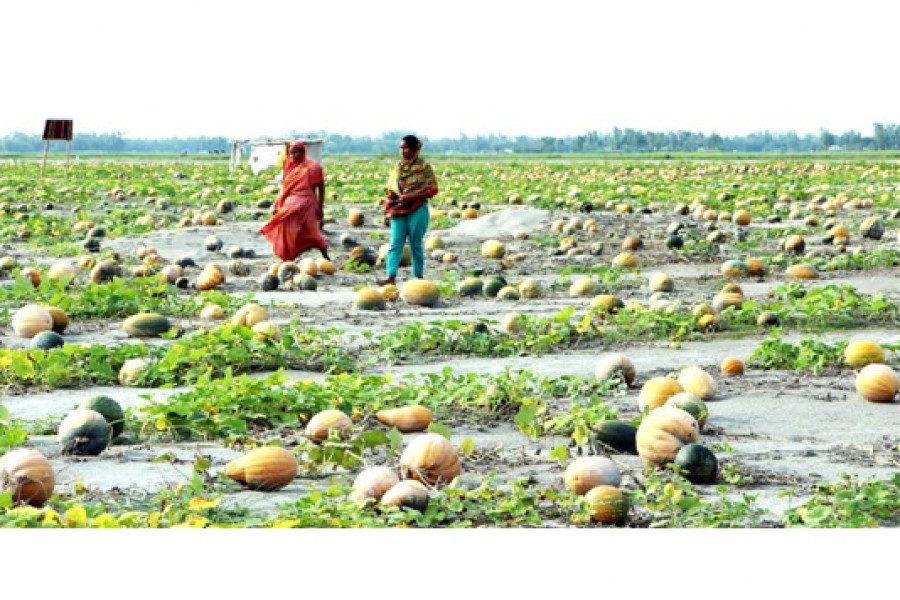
<point>560,453</point>
<point>467,446</point>
<point>439,429</point>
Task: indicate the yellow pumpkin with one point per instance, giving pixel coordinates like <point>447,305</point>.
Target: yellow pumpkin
<point>431,459</point>
<point>132,370</point>
<point>267,330</point>
<point>267,469</point>
<point>212,312</point>
<point>433,243</point>
<point>493,249</point>
<point>212,276</point>
<point>732,367</point>
<point>372,483</point>
<point>877,383</point>
<point>249,315</point>
<point>408,493</point>
<point>60,319</point>
<point>420,292</point>
<point>355,217</point>
<point>608,504</point>
<point>656,391</point>
<point>624,259</point>
<point>583,287</point>
<point>61,269</point>
<point>697,381</point>
<point>588,472</point>
<point>323,422</point>
<point>31,320</point>
<point>660,282</point>
<point>860,353</point>
<point>615,366</point>
<point>663,432</point>
<point>326,267</point>
<point>368,299</point>
<point>801,271</point>
<point>28,475</point>
<point>406,419</point>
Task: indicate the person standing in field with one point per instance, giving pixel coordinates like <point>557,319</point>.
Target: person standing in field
<point>299,209</point>
<point>409,187</point>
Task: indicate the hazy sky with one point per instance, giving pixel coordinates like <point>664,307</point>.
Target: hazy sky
<point>253,68</point>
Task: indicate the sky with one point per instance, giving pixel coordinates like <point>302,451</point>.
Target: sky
<point>259,68</point>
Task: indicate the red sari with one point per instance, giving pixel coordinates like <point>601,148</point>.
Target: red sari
<point>294,228</point>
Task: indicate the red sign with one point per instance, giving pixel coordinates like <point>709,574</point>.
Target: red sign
<point>58,129</point>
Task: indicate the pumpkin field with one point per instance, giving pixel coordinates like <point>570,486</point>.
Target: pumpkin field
<point>597,343</point>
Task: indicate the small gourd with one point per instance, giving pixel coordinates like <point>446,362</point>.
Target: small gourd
<point>406,419</point>
<point>266,469</point>
<point>408,493</point>
<point>323,422</point>
<point>656,391</point>
<point>372,483</point>
<point>588,472</point>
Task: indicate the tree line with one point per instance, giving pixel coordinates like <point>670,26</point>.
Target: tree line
<point>883,137</point>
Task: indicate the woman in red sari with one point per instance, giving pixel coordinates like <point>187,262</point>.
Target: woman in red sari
<point>294,228</point>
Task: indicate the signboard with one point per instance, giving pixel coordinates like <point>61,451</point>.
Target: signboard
<point>57,129</point>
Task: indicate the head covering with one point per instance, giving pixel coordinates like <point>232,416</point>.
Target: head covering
<point>295,145</point>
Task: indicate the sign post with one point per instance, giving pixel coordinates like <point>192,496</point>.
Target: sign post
<point>57,129</point>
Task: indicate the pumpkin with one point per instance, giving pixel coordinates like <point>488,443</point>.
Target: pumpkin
<point>872,228</point>
<point>249,315</point>
<point>734,269</point>
<point>656,391</point>
<point>471,286</point>
<point>493,249</point>
<point>406,419</point>
<point>60,319</point>
<point>607,302</point>
<point>660,282</point>
<point>625,260</point>
<point>61,269</point>
<point>583,287</point>
<point>132,370</point>
<point>663,432</point>
<point>368,299</point>
<point>355,217</point>
<point>768,318</point>
<point>266,469</point>
<point>690,402</point>
<point>732,367</point>
<point>722,301</point>
<point>371,484</point>
<point>615,366</point>
<point>171,273</point>
<point>741,217</point>
<point>84,432</point>
<point>420,292</point>
<point>615,434</point>
<point>111,411</point>
<point>708,323</point>
<point>407,494</point>
<point>608,504</point>
<point>28,475</point>
<point>431,459</point>
<point>212,276</point>
<point>269,282</point>
<point>511,323</point>
<point>325,266</point>
<point>390,292</point>
<point>105,271</point>
<point>801,271</point>
<point>31,274</point>
<point>492,286</point>
<point>632,242</point>
<point>146,325</point>
<point>588,472</point>
<point>323,422</point>
<point>433,243</point>
<point>30,320</point>
<point>237,267</point>
<point>309,267</point>
<point>877,383</point>
<point>698,463</point>
<point>697,381</point>
<point>794,244</point>
<point>267,330</point>
<point>47,340</point>
<point>530,288</point>
<point>755,267</point>
<point>860,353</point>
<point>212,312</point>
<point>509,293</point>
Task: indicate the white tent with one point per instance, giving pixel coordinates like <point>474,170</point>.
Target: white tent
<point>262,154</point>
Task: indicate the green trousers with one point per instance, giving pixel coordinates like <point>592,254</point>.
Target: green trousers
<point>412,226</point>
